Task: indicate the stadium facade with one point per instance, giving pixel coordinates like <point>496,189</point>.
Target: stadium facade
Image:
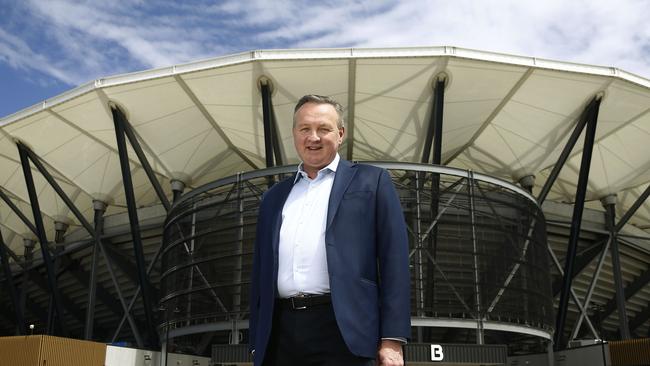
<point>512,171</point>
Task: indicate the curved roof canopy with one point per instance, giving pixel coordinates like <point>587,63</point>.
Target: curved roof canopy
<point>506,116</point>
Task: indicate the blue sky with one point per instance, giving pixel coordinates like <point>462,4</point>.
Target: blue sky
<point>50,46</point>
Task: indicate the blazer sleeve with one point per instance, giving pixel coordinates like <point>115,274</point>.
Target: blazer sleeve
<point>392,252</point>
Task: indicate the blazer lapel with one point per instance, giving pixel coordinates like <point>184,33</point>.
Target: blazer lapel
<point>344,174</point>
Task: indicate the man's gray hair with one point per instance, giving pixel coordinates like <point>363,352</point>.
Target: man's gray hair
<point>320,99</point>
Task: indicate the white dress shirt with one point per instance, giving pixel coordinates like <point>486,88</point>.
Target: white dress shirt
<point>302,265</point>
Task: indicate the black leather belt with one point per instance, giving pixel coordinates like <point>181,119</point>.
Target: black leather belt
<point>304,301</point>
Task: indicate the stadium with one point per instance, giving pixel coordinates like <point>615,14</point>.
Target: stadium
<point>130,202</point>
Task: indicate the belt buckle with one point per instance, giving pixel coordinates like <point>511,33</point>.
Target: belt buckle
<point>293,303</point>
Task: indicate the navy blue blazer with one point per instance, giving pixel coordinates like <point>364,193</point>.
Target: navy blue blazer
<point>367,258</point>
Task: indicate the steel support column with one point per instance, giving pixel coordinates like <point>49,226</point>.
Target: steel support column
<point>59,229</point>
<point>480,338</point>
<point>11,287</point>
<point>28,256</point>
<point>57,188</point>
<point>268,129</point>
<point>582,121</point>
<point>352,93</point>
<point>18,213</point>
<point>642,280</point>
<point>89,330</point>
<point>40,228</point>
<point>434,129</point>
<point>609,203</point>
<point>99,208</point>
<point>434,132</point>
<point>439,100</point>
<point>581,191</point>
<point>144,162</point>
<point>277,147</point>
<point>133,220</point>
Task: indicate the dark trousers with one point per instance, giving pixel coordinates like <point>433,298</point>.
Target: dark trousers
<point>309,337</point>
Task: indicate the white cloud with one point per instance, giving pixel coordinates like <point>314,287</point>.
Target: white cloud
<point>595,32</point>
<point>87,40</point>
<point>92,39</point>
<point>16,53</point>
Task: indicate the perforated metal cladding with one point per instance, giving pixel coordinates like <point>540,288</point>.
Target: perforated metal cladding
<point>477,248</point>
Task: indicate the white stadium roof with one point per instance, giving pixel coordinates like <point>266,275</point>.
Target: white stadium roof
<point>505,116</point>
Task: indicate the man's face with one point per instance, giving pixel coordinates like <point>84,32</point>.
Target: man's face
<point>316,136</point>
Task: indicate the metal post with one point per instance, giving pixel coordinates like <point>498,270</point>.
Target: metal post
<point>419,295</point>
<point>643,279</point>
<point>581,191</point>
<point>40,228</point>
<point>18,213</point>
<point>434,129</point>
<point>439,101</point>
<point>177,188</point>
<point>164,350</point>
<point>11,287</point>
<point>133,220</point>
<point>582,121</point>
<point>277,148</point>
<point>59,228</point>
<point>28,256</point>
<point>236,301</point>
<point>135,144</point>
<point>352,93</point>
<point>609,202</point>
<point>234,331</point>
<point>550,355</point>
<point>477,287</point>
<point>268,131</point>
<point>190,254</point>
<point>419,261</point>
<point>99,208</point>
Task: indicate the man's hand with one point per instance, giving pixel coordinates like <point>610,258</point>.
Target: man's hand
<point>390,353</point>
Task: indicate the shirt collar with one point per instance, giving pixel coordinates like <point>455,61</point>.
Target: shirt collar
<point>330,167</point>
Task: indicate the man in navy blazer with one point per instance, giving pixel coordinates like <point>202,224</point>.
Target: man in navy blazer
<point>330,281</point>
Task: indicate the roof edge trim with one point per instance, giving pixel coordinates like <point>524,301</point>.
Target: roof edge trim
<point>327,53</point>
